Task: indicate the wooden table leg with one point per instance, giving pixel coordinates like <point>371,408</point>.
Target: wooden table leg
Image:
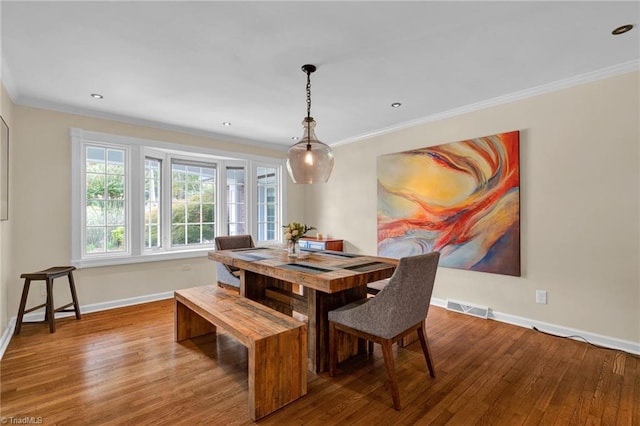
<point>319,304</point>
<point>253,285</point>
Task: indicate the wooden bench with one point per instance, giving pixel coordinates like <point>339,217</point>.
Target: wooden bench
<point>276,343</point>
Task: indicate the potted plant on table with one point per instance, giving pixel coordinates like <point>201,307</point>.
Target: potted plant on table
<point>292,234</point>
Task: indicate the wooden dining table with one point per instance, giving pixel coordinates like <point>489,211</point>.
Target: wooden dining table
<point>314,284</point>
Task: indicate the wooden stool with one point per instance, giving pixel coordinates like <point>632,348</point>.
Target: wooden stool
<point>48,275</point>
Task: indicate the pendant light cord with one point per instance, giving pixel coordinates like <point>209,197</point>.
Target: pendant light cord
<point>308,94</point>
<point>308,109</point>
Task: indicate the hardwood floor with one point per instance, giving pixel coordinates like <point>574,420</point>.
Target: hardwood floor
<point>122,367</point>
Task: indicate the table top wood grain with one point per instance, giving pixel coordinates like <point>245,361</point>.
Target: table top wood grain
<point>326,271</point>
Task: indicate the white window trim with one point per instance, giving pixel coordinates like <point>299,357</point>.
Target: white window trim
<point>138,149</point>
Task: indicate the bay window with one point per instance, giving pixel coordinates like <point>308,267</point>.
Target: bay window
<point>137,200</point>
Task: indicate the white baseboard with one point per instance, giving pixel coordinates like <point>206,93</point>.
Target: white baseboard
<point>596,339</point>
<point>103,306</point>
<point>6,336</point>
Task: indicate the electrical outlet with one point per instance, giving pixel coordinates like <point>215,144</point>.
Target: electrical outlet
<point>186,267</point>
<point>541,297</point>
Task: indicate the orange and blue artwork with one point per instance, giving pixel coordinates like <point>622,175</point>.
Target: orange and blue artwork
<point>461,199</point>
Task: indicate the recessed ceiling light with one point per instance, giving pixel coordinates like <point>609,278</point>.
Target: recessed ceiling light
<point>623,29</point>
<point>295,138</point>
<point>396,105</point>
<point>226,123</point>
<point>97,96</point>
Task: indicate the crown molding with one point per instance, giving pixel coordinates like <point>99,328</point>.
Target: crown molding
<point>52,106</point>
<point>577,80</point>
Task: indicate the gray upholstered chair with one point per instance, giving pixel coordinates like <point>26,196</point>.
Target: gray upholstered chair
<point>399,309</point>
<point>228,276</point>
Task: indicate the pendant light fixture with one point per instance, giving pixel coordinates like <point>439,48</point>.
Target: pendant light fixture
<point>309,161</point>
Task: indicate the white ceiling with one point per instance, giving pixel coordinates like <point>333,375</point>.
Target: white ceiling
<point>193,65</point>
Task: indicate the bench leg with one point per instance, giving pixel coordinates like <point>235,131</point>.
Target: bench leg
<point>277,372</point>
<point>189,324</point>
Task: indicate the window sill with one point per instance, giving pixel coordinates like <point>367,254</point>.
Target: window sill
<point>143,258</point>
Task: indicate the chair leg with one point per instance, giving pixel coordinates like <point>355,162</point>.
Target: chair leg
<point>23,304</point>
<point>387,354</point>
<point>333,348</point>
<point>74,296</point>
<point>50,314</point>
<point>424,342</point>
<point>370,346</point>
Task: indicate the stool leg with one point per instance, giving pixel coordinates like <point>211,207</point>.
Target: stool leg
<point>74,296</point>
<point>50,311</point>
<point>23,304</point>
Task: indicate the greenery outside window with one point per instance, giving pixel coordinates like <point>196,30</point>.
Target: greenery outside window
<point>106,203</point>
<point>192,203</point>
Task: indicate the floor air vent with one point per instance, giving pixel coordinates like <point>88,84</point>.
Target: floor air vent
<point>466,308</point>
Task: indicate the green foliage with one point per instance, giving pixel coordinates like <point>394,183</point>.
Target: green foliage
<point>189,231</point>
<point>96,189</point>
<point>116,242</point>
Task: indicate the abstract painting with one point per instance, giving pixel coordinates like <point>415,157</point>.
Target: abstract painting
<point>461,199</point>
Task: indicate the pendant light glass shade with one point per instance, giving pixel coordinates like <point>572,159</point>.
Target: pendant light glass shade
<point>309,161</point>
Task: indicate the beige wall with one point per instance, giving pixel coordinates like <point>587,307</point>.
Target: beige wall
<point>41,151</point>
<point>580,191</point>
<point>6,111</point>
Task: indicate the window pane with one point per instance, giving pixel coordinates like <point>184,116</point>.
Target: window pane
<point>115,187</point>
<point>115,161</point>
<point>95,239</point>
<point>236,211</point>
<point>237,229</point>
<point>207,213</point>
<point>105,221</point>
<point>95,213</point>
<point>193,213</point>
<point>152,194</point>
<point>193,203</point>
<point>178,235</point>
<point>115,213</point>
<point>115,238</point>
<point>208,233</point>
<point>95,186</point>
<point>95,160</point>
<point>267,203</point>
<point>193,234</point>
